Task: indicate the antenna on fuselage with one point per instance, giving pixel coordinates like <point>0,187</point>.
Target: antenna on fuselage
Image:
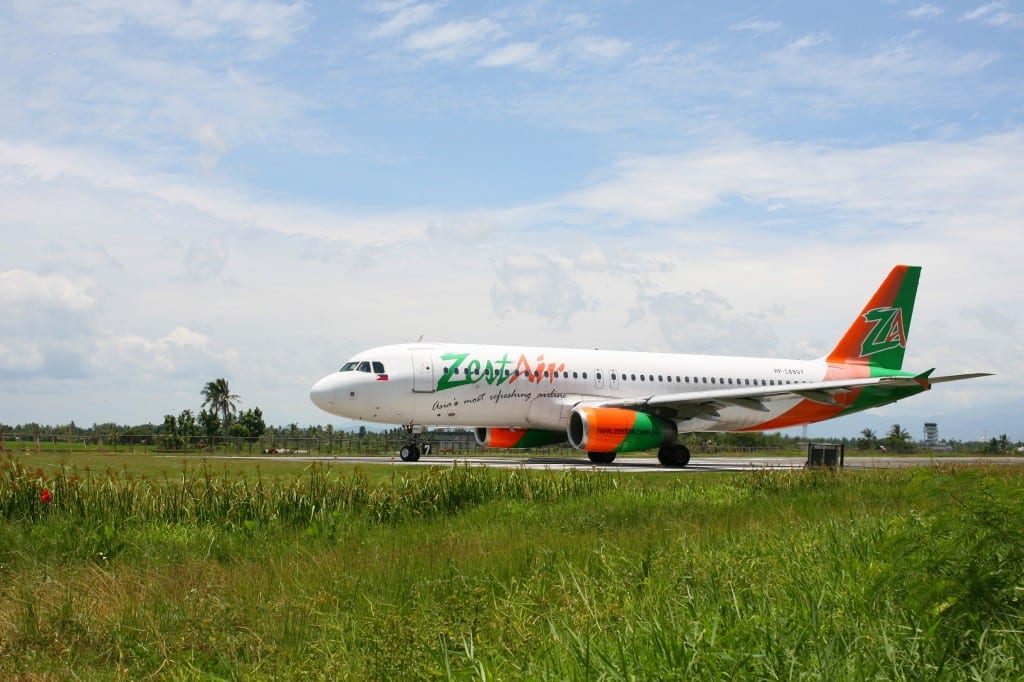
<point>419,339</point>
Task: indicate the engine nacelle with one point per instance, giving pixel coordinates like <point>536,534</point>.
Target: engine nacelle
<point>613,429</point>
<point>517,438</point>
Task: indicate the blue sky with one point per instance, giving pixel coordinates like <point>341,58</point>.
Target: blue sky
<point>259,190</point>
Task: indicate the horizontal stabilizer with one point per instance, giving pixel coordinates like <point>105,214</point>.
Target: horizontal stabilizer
<point>959,377</point>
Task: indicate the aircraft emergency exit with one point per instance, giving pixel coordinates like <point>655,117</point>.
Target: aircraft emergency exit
<point>606,402</point>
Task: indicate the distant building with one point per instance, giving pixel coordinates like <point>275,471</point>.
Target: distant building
<point>931,438</point>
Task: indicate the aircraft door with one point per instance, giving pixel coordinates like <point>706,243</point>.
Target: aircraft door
<point>423,370</point>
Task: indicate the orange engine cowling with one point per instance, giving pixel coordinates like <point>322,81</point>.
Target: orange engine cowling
<point>517,438</point>
<point>614,429</point>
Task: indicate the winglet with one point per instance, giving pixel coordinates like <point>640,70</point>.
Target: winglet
<point>878,336</point>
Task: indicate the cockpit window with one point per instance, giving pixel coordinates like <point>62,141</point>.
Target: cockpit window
<point>349,366</point>
<point>378,367</point>
<point>364,366</point>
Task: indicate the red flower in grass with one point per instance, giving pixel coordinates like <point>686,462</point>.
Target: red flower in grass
<point>45,496</point>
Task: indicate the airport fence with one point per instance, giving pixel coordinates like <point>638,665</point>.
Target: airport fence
<point>337,444</point>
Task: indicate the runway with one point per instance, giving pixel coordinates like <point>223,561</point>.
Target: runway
<point>639,464</point>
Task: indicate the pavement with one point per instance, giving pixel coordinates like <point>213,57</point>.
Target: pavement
<point>638,464</point>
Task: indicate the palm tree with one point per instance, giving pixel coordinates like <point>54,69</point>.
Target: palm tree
<point>898,438</point>
<point>219,398</point>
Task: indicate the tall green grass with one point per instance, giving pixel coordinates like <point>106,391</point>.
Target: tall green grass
<point>481,574</point>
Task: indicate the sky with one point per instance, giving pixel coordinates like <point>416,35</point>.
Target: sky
<point>257,191</point>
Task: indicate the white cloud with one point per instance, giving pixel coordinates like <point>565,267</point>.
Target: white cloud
<point>452,39</point>
<point>259,21</point>
<point>924,11</point>
<point>758,26</point>
<point>404,17</point>
<point>806,42</point>
<point>19,356</point>
<point>181,352</point>
<point>536,285</point>
<point>20,162</point>
<point>471,227</point>
<point>711,322</point>
<point>20,289</point>
<point>525,55</point>
<point>992,14</point>
<point>906,182</point>
<point>602,46</point>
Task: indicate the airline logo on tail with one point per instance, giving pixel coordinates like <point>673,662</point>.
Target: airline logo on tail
<point>887,331</point>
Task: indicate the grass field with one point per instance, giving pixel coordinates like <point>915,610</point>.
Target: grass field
<point>229,571</point>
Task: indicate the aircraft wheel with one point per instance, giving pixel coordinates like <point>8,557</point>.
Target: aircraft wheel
<point>409,453</point>
<point>601,457</point>
<point>674,455</point>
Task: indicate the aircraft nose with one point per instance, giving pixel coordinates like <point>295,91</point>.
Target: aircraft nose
<point>323,392</point>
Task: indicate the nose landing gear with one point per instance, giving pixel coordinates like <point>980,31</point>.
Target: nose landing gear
<point>410,452</point>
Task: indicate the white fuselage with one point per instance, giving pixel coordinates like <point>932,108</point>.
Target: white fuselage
<point>474,385</point>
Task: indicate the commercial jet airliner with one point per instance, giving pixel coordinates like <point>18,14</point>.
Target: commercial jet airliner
<point>605,402</point>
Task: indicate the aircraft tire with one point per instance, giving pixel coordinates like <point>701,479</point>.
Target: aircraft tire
<point>601,457</point>
<point>409,453</point>
<point>676,456</point>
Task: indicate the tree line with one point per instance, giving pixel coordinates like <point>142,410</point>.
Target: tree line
<point>218,417</point>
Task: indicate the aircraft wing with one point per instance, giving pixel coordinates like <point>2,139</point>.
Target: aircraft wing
<point>705,404</point>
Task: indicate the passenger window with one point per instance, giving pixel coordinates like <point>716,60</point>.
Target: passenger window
<point>575,375</point>
<point>378,367</point>
<point>584,375</point>
<point>598,376</point>
<point>632,377</point>
<point>641,377</point>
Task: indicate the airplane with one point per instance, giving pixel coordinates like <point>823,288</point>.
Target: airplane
<point>605,402</point>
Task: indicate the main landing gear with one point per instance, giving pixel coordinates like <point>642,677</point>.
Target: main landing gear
<point>675,455</point>
<point>410,452</point>
<point>601,457</point>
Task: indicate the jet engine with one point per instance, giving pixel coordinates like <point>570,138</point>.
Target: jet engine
<point>517,438</point>
<point>613,429</point>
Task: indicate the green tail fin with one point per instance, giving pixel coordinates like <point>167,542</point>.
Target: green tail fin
<point>878,337</point>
